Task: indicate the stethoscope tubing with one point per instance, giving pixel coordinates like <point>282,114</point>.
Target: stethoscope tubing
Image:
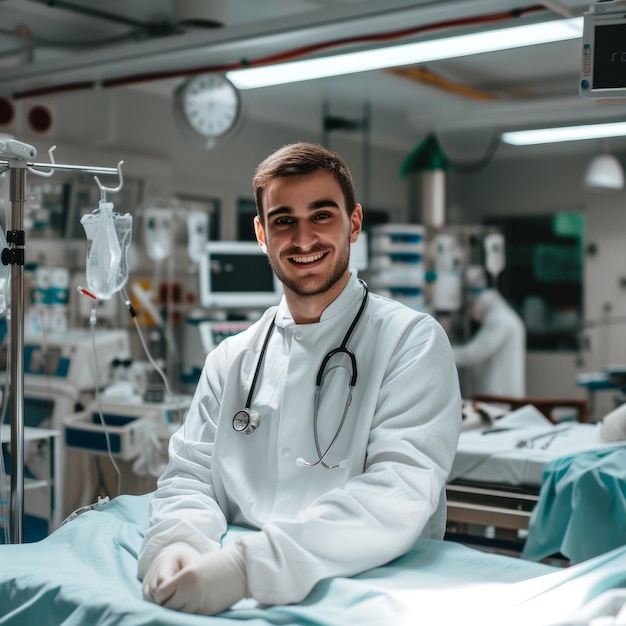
<point>342,349</point>
<point>257,369</point>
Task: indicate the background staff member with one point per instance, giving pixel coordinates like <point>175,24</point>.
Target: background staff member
<point>332,486</point>
<point>496,353</point>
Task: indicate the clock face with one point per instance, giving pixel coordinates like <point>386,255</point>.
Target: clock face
<point>209,105</point>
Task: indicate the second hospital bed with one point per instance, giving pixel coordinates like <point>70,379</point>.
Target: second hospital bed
<point>531,485</point>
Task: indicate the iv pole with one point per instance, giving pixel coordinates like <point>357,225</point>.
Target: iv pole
<point>16,162</point>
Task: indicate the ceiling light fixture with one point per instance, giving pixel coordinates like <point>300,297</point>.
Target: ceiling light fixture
<point>407,54</point>
<point>604,172</point>
<point>564,133</point>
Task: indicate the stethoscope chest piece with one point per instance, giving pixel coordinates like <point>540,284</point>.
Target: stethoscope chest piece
<point>246,421</point>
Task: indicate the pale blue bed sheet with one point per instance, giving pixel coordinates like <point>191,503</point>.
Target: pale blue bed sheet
<point>85,574</point>
<point>581,511</point>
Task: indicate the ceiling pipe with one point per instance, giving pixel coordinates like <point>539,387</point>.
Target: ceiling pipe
<point>199,12</point>
<point>90,12</point>
<point>423,28</point>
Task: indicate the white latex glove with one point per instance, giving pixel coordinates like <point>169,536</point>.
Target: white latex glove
<point>209,584</point>
<point>168,562</point>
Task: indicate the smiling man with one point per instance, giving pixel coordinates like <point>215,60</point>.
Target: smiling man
<point>328,427</point>
<point>306,222</point>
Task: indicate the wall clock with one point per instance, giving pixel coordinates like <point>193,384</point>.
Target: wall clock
<point>208,108</point>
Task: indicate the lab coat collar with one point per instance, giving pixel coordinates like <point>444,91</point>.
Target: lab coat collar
<point>346,300</point>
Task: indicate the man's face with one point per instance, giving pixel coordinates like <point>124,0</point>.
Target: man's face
<point>307,232</point>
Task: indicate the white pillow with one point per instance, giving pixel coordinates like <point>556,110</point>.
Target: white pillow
<point>613,427</point>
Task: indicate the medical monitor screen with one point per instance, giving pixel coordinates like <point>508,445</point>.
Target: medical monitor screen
<point>609,63</point>
<point>603,71</point>
<point>237,275</point>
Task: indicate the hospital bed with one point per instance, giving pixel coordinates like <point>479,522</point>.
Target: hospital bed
<point>85,573</point>
<point>549,407</point>
<point>536,500</point>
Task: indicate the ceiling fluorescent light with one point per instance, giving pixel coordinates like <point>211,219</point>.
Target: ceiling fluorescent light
<point>407,54</point>
<point>564,133</point>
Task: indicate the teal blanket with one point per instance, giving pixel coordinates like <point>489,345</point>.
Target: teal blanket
<point>85,574</point>
<point>581,511</point>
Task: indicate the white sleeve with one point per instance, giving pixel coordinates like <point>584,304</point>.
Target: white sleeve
<point>378,515</point>
<point>183,507</point>
<point>489,338</point>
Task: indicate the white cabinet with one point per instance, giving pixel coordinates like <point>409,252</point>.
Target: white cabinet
<point>42,489</point>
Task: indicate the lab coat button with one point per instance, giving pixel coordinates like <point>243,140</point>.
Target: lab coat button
<point>286,452</point>
<point>298,336</point>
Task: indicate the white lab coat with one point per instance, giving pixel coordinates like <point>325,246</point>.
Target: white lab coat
<point>497,352</point>
<point>397,445</point>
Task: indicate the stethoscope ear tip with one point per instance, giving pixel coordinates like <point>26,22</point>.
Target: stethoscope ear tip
<point>300,462</point>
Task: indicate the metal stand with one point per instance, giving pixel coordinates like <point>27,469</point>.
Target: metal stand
<point>17,154</point>
<point>15,255</point>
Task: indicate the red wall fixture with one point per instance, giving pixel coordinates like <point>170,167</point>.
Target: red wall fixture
<point>40,119</point>
<point>7,112</point>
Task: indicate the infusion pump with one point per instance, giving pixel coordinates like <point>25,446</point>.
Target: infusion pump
<point>603,66</point>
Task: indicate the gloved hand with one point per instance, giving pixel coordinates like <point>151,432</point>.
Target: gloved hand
<point>170,560</point>
<point>209,584</point>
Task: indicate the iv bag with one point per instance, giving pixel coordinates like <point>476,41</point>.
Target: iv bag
<point>158,233</point>
<point>108,235</point>
<point>494,253</point>
<point>197,234</point>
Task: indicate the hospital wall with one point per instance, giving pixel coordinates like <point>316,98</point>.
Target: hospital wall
<point>108,125</point>
<point>101,127</point>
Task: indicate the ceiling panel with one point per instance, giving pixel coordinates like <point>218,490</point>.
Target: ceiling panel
<point>152,44</point>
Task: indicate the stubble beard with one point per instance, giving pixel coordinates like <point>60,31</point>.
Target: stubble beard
<point>305,287</point>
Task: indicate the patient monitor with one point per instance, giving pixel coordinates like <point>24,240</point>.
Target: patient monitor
<point>60,374</point>
<point>237,275</point>
<point>603,63</point>
<point>236,284</point>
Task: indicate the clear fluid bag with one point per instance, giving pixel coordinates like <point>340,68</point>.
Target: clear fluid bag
<point>109,235</point>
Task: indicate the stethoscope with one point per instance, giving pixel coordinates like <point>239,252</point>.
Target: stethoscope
<point>247,420</point>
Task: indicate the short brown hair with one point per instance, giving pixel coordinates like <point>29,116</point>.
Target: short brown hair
<point>302,158</point>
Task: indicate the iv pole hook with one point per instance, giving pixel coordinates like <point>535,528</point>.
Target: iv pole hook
<point>103,189</point>
<point>52,162</point>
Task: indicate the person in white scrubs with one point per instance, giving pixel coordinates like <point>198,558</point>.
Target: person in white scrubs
<point>495,356</point>
<point>329,485</point>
